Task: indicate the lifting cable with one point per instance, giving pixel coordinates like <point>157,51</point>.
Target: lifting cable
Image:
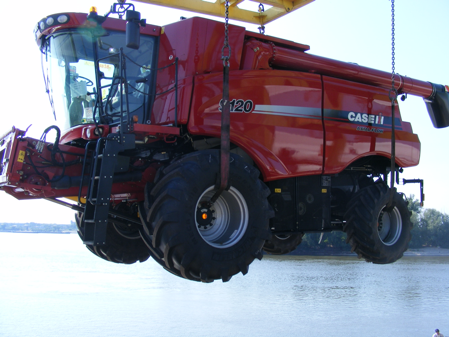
<point>223,177</point>
<point>393,94</point>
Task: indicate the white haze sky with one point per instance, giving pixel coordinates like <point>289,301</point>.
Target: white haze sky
<point>348,30</point>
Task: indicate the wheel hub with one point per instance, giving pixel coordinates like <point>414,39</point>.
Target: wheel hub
<point>223,223</point>
<point>389,226</point>
<point>204,216</point>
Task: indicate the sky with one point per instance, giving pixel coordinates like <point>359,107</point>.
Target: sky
<point>356,31</point>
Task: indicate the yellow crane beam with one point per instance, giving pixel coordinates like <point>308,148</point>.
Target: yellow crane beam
<point>217,8</point>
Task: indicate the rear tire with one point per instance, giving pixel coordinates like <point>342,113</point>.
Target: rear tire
<point>378,234</point>
<point>200,241</point>
<point>282,244</point>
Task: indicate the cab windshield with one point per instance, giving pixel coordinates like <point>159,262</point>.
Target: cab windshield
<point>98,79</point>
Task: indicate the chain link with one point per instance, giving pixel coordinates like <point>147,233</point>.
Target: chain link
<point>393,93</point>
<point>262,27</point>
<point>122,7</point>
<point>226,45</point>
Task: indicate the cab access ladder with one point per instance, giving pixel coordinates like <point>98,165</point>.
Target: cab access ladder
<point>105,159</point>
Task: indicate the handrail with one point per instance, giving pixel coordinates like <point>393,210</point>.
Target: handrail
<point>175,86</point>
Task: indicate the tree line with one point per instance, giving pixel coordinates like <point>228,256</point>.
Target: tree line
<point>430,229</point>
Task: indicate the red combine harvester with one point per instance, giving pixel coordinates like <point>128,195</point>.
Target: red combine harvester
<point>142,150</point>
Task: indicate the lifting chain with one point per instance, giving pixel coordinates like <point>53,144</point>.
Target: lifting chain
<point>262,27</point>
<point>392,95</point>
<point>226,45</point>
<point>122,7</point>
<point>393,92</point>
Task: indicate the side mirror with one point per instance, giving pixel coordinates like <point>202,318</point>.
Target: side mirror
<point>133,29</point>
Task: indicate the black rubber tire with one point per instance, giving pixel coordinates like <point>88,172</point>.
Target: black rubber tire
<point>209,250</point>
<point>122,245</point>
<point>377,234</point>
<point>91,248</point>
<point>282,244</point>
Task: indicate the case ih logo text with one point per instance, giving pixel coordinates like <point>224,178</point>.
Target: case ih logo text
<point>365,118</point>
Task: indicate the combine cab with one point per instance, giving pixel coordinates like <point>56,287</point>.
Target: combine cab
<point>139,110</point>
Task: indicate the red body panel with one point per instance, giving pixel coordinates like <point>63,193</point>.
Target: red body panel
<point>290,132</point>
<point>197,43</point>
<point>348,108</point>
<point>198,50</point>
<point>283,133</point>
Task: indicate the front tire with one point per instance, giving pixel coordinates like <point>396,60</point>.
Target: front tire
<point>376,233</point>
<point>123,244</point>
<point>201,241</point>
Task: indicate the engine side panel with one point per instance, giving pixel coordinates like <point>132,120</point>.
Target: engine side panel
<point>275,117</point>
<point>358,123</point>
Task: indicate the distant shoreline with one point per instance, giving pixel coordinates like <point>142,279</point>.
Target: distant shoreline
<point>425,251</point>
<point>38,232</point>
<point>33,227</point>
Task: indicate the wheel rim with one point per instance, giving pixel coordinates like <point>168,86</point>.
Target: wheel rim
<point>223,223</point>
<point>283,237</point>
<point>389,226</point>
<point>128,233</point>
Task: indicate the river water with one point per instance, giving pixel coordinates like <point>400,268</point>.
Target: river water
<point>51,285</point>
